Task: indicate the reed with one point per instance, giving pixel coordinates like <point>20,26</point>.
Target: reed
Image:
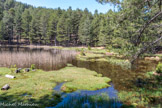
<point>49,59</point>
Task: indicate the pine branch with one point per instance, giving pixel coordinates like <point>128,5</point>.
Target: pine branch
<point>145,26</point>
<point>143,49</point>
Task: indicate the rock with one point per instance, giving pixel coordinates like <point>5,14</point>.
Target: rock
<point>5,87</point>
<point>27,69</point>
<point>10,76</point>
<point>18,70</point>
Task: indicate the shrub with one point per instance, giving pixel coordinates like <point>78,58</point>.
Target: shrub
<point>159,71</point>
<point>33,66</point>
<point>13,68</point>
<point>159,68</point>
<point>89,48</point>
<point>109,47</point>
<point>82,53</point>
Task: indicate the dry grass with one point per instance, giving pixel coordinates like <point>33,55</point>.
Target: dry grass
<point>43,59</point>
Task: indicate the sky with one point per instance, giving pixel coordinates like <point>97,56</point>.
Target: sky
<point>92,5</point>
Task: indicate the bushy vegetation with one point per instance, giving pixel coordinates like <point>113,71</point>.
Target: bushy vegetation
<point>32,66</point>
<point>159,68</point>
<point>13,68</point>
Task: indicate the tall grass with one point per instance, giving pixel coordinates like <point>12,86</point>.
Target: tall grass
<point>50,59</point>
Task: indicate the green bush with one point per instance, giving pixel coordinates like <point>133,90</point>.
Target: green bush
<point>109,47</point>
<point>89,48</point>
<point>82,53</point>
<point>159,68</point>
<point>13,68</point>
<point>33,66</point>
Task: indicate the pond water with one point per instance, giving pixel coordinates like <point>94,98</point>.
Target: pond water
<point>112,93</point>
<point>123,79</point>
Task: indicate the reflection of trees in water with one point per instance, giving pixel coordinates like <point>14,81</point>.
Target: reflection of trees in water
<point>43,59</point>
<point>121,78</point>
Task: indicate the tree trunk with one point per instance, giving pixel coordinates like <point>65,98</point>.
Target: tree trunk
<point>55,41</point>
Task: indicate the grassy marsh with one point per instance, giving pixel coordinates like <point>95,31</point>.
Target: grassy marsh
<point>39,84</point>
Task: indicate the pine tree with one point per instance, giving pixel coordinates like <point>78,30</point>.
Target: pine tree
<point>44,25</point>
<point>8,21</point>
<point>9,4</point>
<point>69,25</point>
<point>18,25</point>
<point>26,20</point>
<point>33,30</point>
<point>85,31</point>
<point>1,30</point>
<point>75,17</point>
<point>62,30</point>
<point>103,33</point>
<point>52,28</point>
<point>95,28</point>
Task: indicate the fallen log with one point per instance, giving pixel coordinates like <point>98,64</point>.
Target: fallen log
<point>10,76</point>
<point>5,87</point>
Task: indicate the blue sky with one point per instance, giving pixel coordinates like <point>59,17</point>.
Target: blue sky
<point>64,4</point>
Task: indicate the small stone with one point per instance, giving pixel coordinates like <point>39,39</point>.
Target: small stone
<point>18,70</point>
<point>27,69</point>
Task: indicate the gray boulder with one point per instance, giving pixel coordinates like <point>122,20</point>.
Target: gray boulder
<point>18,70</point>
<point>5,87</point>
<point>27,69</point>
